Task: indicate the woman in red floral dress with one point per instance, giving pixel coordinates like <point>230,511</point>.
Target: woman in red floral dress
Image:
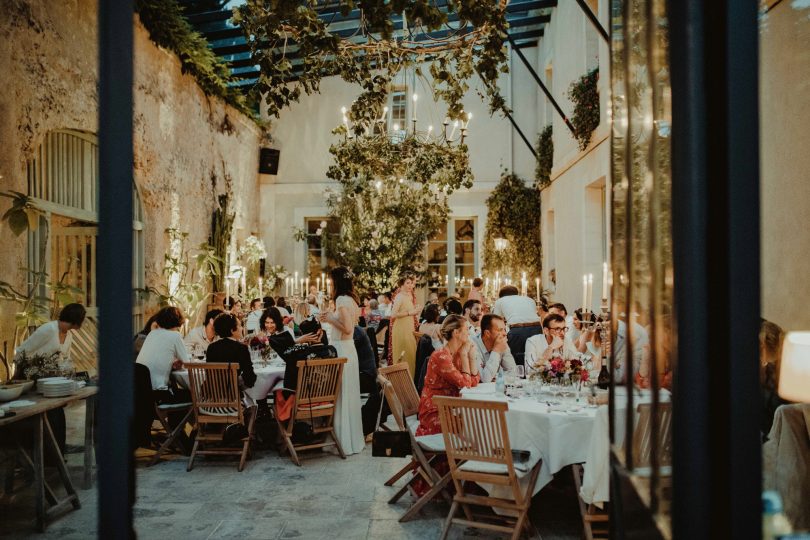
<point>450,369</point>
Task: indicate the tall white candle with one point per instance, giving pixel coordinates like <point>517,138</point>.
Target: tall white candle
<point>537,288</point>
<point>584,291</point>
<point>259,285</point>
<point>323,281</point>
<point>305,292</point>
<point>590,292</point>
<point>523,284</point>
<point>227,289</point>
<point>329,287</point>
<point>318,284</point>
<point>604,280</point>
<point>301,287</point>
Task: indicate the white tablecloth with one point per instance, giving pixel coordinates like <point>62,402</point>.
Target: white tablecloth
<point>267,377</point>
<point>561,437</point>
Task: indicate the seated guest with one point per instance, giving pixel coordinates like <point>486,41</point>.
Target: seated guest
<point>770,352</point>
<point>542,309</point>
<point>230,348</point>
<point>140,337</point>
<point>367,363</point>
<point>475,290</point>
<point>201,337</point>
<point>384,301</point>
<point>492,350</point>
<point>472,312</point>
<point>374,315</point>
<point>281,304</point>
<point>280,337</point>
<point>520,313</point>
<point>252,320</point>
<point>301,313</point>
<point>233,305</point>
<point>542,348</point>
<point>453,307</point>
<point>449,370</point>
<point>581,334</point>
<point>268,302</point>
<point>312,300</point>
<point>559,309</point>
<point>164,350</point>
<point>431,326</point>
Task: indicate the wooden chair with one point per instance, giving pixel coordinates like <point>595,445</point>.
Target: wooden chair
<point>595,520</point>
<point>478,450</point>
<point>319,384</point>
<point>216,399</point>
<point>162,413</point>
<point>400,377</point>
<point>424,450</point>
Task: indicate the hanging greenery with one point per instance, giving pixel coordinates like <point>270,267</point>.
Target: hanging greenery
<point>360,161</point>
<point>545,158</point>
<point>585,96</point>
<point>169,29</point>
<point>513,213</point>
<point>295,48</point>
<point>220,242</point>
<point>384,230</point>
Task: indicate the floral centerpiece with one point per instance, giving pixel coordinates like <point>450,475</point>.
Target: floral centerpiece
<point>39,365</point>
<point>261,343</point>
<point>559,370</point>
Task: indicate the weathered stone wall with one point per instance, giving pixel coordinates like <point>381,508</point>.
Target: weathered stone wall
<point>188,147</point>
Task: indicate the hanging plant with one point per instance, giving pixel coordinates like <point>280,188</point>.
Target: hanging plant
<point>220,241</point>
<point>513,213</point>
<point>584,94</point>
<point>545,158</point>
<point>295,48</point>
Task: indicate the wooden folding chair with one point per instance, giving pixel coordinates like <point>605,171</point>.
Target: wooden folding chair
<point>400,376</point>
<point>162,413</point>
<point>478,450</point>
<point>595,520</point>
<point>319,384</point>
<point>424,450</point>
<point>216,399</point>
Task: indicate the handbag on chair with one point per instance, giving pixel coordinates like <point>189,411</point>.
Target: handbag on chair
<point>391,444</point>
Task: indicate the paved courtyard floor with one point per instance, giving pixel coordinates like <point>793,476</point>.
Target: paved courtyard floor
<point>273,498</point>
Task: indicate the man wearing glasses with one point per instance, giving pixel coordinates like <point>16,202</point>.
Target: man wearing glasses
<point>540,349</point>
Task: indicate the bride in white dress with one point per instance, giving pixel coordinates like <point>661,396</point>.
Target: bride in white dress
<point>348,419</point>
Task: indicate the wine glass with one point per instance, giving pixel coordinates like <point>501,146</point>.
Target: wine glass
<point>521,372</point>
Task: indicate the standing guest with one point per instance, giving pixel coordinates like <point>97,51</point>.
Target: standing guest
<point>374,315</point>
<point>472,312</point>
<point>314,300</point>
<point>268,302</point>
<point>403,324</point>
<point>281,304</point>
<point>492,349</point>
<point>541,349</point>
<point>50,338</point>
<point>233,305</point>
<point>449,370</point>
<point>520,313</point>
<point>367,365</point>
<point>384,301</point>
<point>201,337</point>
<point>348,414</point>
<point>430,326</point>
<point>542,309</point>
<point>475,290</point>
<point>164,350</point>
<point>140,337</point>
<point>252,320</point>
<point>229,348</point>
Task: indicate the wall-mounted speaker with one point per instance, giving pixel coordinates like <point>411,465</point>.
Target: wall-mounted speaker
<point>268,160</point>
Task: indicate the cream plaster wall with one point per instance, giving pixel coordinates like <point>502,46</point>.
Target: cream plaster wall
<point>785,162</point>
<point>185,151</point>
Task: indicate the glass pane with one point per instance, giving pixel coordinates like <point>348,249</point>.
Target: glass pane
<point>437,253</point>
<point>441,235</point>
<point>465,229</point>
<point>465,254</point>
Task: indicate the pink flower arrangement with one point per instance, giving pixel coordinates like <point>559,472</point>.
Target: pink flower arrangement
<point>559,369</point>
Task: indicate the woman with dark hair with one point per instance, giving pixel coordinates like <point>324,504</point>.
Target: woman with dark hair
<point>431,325</point>
<point>164,350</point>
<point>229,347</point>
<point>140,337</point>
<point>348,416</point>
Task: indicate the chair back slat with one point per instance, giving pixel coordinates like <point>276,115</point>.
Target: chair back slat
<point>214,386</point>
<point>475,429</point>
<point>643,436</point>
<point>402,380</point>
<point>319,380</point>
<point>393,402</point>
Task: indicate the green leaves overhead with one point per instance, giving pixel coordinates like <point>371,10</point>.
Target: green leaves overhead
<point>283,35</point>
<point>545,158</point>
<point>585,95</point>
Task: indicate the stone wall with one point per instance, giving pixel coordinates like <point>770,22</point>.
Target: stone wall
<point>188,147</point>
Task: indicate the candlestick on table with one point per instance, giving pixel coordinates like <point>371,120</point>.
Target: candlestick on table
<point>323,282</point>
<point>590,293</point>
<point>537,288</point>
<point>227,289</point>
<point>259,285</point>
<point>318,284</point>
<point>329,287</point>
<point>604,280</point>
<point>305,292</point>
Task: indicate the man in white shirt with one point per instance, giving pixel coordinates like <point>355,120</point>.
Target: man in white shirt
<point>641,349</point>
<point>540,349</point>
<point>252,320</point>
<point>520,313</point>
<point>492,350</point>
<point>472,312</point>
<point>198,339</point>
<point>384,305</point>
<point>573,333</point>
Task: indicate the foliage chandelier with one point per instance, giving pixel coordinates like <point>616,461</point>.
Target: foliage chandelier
<point>295,48</point>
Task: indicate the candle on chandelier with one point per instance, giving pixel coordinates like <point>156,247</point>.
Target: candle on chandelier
<point>584,291</point>
<point>259,284</point>
<point>323,282</point>
<point>305,292</point>
<point>604,281</point>
<point>318,284</point>
<point>537,289</point>
<point>329,287</point>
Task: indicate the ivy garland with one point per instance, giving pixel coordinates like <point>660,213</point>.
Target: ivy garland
<point>291,32</point>
<point>545,158</point>
<point>513,213</point>
<point>169,29</point>
<point>585,96</point>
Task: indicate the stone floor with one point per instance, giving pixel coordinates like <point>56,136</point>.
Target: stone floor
<point>273,498</point>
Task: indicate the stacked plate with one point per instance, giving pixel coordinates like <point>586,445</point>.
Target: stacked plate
<point>56,387</point>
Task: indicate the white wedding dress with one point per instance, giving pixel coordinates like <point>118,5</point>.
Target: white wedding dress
<point>348,419</point>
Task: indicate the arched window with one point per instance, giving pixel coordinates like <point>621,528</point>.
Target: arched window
<point>63,179</point>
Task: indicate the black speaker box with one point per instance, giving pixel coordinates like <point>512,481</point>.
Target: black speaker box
<point>268,160</point>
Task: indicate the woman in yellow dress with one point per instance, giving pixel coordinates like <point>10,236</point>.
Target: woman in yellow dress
<point>403,325</point>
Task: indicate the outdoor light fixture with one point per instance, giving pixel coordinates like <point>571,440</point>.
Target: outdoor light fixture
<point>794,373</point>
<point>501,243</point>
<point>399,131</point>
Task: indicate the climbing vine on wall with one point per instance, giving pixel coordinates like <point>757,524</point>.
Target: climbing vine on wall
<point>585,96</point>
<point>513,213</point>
<point>545,158</point>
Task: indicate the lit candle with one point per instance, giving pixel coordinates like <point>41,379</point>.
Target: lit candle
<point>537,288</point>
<point>497,281</point>
<point>323,279</point>
<point>259,282</point>
<point>590,292</point>
<point>584,291</point>
<point>227,289</point>
<point>329,287</point>
<point>301,287</point>
<point>445,279</point>
<point>524,285</point>
<point>604,281</point>
<point>318,284</point>
<point>306,290</point>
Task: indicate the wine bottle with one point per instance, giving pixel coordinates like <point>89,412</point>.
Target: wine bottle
<point>603,381</point>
